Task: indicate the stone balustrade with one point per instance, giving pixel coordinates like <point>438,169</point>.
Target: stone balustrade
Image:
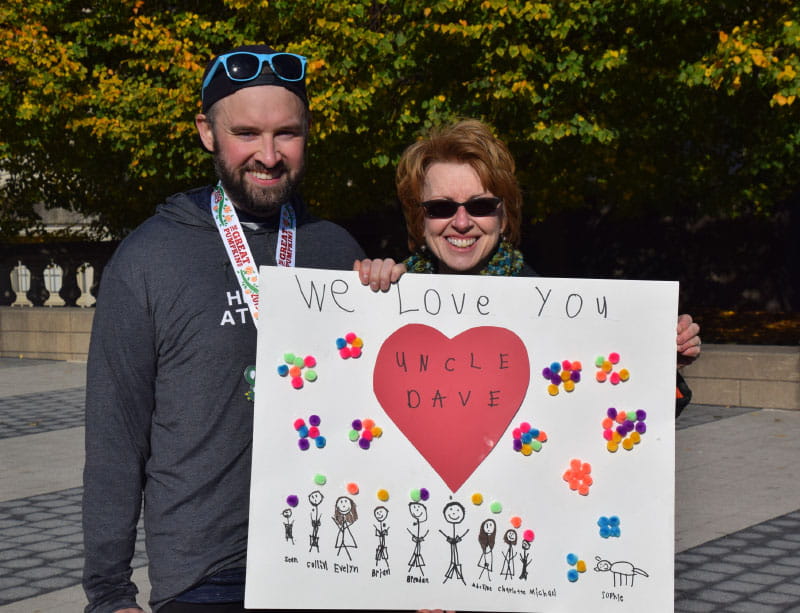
<point>45,312</point>
<point>46,297</point>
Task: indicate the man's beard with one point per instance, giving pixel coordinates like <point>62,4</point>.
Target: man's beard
<point>258,201</point>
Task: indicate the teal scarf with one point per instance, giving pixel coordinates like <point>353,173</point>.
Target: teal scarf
<point>506,262</point>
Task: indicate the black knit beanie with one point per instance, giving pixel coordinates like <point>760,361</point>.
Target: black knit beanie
<point>221,86</point>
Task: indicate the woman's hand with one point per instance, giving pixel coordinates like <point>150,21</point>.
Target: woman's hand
<point>688,340</point>
<point>379,274</point>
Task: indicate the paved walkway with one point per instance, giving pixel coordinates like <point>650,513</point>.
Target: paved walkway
<point>737,511</point>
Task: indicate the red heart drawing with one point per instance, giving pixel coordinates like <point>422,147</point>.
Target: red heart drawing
<point>452,398</point>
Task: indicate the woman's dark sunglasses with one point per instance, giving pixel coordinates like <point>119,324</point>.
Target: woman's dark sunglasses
<point>475,207</point>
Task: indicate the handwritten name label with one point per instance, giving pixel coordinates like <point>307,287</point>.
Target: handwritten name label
<point>410,579</point>
<point>541,592</point>
<point>318,564</point>
<point>511,591</point>
<point>482,587</point>
<point>611,596</point>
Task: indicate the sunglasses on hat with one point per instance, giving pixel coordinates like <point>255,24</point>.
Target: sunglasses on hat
<point>442,208</point>
<point>246,66</point>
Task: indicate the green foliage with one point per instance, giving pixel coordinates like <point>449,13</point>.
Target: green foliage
<point>645,107</point>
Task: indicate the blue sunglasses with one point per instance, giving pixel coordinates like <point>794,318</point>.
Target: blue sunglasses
<point>246,66</point>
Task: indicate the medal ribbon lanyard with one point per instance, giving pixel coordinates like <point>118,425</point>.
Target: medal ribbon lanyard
<point>232,234</point>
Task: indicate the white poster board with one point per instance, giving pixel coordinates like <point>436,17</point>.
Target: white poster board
<point>438,467</point>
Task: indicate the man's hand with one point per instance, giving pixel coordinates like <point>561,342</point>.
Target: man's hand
<point>688,340</point>
<point>379,274</point>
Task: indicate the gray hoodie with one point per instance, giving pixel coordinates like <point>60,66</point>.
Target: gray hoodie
<point>168,420</point>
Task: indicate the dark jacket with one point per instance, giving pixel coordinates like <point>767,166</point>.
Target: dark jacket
<point>167,410</point>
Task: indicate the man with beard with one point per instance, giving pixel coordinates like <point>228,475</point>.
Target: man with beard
<point>169,391</point>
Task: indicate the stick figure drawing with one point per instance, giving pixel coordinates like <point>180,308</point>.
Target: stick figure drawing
<point>381,531</point>
<point>288,524</point>
<point>454,514</point>
<point>510,539</point>
<point>623,572</point>
<point>315,498</point>
<point>344,516</point>
<point>486,537</point>
<point>419,514</point>
<point>525,558</point>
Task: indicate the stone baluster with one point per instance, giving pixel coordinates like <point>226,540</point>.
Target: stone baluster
<point>85,278</point>
<point>53,279</point>
<point>20,284</point>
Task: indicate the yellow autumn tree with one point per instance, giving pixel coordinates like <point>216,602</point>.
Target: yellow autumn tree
<point>656,107</point>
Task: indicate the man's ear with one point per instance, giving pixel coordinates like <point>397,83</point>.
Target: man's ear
<point>205,132</point>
